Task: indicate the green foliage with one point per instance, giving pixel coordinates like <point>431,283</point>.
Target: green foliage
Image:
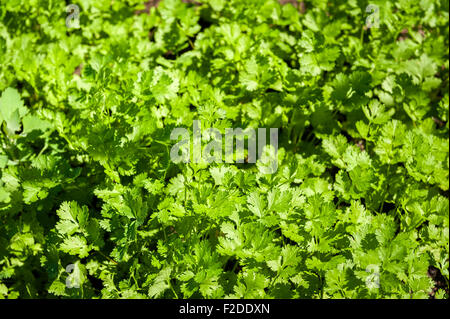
<point>358,207</point>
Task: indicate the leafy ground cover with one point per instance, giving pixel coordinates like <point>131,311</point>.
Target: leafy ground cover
<point>91,206</point>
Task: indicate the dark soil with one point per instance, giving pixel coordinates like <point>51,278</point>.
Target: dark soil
<point>148,5</point>
<point>78,70</point>
<point>439,280</point>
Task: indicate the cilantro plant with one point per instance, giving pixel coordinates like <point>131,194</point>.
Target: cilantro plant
<point>91,206</point>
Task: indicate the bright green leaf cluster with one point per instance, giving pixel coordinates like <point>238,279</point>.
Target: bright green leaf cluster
<point>91,206</point>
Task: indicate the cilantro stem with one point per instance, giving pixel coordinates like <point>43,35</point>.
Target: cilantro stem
<point>107,257</point>
<point>173,290</point>
<point>28,290</point>
<point>161,142</point>
<point>189,40</point>
<point>44,148</point>
<point>235,266</point>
